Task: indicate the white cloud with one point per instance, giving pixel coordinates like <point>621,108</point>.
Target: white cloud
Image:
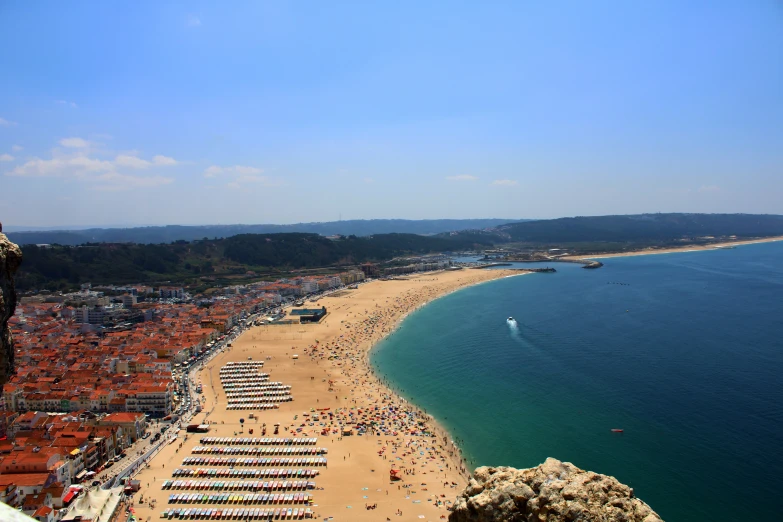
<point>132,162</point>
<point>709,188</point>
<point>6,123</point>
<point>504,182</point>
<point>6,157</point>
<point>77,166</point>
<point>241,175</point>
<point>74,143</point>
<point>129,160</point>
<point>249,179</point>
<point>163,160</point>
<point>113,182</point>
<point>68,103</point>
<point>16,148</point>
<point>462,177</point>
<point>368,180</point>
<point>239,169</point>
<point>215,170</point>
<point>101,174</point>
<point>193,21</point>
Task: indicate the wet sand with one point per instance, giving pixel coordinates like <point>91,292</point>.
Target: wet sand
<point>332,371</point>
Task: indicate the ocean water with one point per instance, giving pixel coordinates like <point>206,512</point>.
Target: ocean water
<point>684,352</point>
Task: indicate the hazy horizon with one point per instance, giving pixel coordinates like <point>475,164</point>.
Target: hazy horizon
<point>307,112</point>
<point>28,228</point>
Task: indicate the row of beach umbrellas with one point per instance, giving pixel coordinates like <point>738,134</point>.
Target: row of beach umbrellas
<point>260,441</point>
<point>258,398</point>
<point>219,485</point>
<point>291,450</point>
<point>265,394</point>
<point>272,390</point>
<point>246,473</point>
<point>259,377</point>
<point>253,406</point>
<point>251,461</point>
<point>254,386</point>
<point>238,514</point>
<point>240,498</point>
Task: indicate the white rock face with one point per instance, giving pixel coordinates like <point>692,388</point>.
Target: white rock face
<point>9,514</point>
<point>552,492</point>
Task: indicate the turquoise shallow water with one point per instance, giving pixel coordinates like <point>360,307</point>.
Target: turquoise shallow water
<point>686,356</point>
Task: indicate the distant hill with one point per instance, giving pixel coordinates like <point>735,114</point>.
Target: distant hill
<point>642,228</point>
<point>167,234</point>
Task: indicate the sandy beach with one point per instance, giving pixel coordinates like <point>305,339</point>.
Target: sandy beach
<point>684,248</point>
<point>332,372</point>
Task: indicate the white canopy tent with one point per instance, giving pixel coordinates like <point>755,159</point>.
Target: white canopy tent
<point>98,505</point>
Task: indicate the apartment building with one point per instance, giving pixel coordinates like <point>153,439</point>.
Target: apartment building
<point>171,292</point>
<point>134,425</point>
<point>90,314</point>
<point>152,399</point>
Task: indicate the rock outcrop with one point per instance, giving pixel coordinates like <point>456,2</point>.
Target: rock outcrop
<point>10,259</point>
<point>552,492</point>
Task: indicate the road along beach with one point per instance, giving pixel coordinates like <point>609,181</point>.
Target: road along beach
<point>362,429</point>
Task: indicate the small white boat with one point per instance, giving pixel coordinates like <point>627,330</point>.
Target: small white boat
<point>510,318</point>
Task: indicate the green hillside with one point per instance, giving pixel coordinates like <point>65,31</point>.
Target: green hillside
<point>61,267</point>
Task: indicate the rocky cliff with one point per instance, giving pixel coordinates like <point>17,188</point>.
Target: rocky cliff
<point>10,259</point>
<point>552,492</point>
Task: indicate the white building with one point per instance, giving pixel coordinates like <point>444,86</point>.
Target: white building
<point>309,286</point>
<point>90,315</point>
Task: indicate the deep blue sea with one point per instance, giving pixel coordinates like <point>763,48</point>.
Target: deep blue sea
<point>684,352</point>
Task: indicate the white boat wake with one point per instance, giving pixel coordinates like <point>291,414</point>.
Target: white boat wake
<point>512,325</point>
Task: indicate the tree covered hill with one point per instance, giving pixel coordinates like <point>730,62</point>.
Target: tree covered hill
<point>60,267</point>
<point>643,228</point>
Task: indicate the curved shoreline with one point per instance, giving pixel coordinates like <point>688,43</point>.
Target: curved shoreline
<point>442,432</point>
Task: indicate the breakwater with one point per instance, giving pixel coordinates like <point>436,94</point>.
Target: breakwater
<point>495,265</point>
<point>587,263</point>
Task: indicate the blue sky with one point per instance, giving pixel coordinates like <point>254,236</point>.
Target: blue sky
<point>283,112</point>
